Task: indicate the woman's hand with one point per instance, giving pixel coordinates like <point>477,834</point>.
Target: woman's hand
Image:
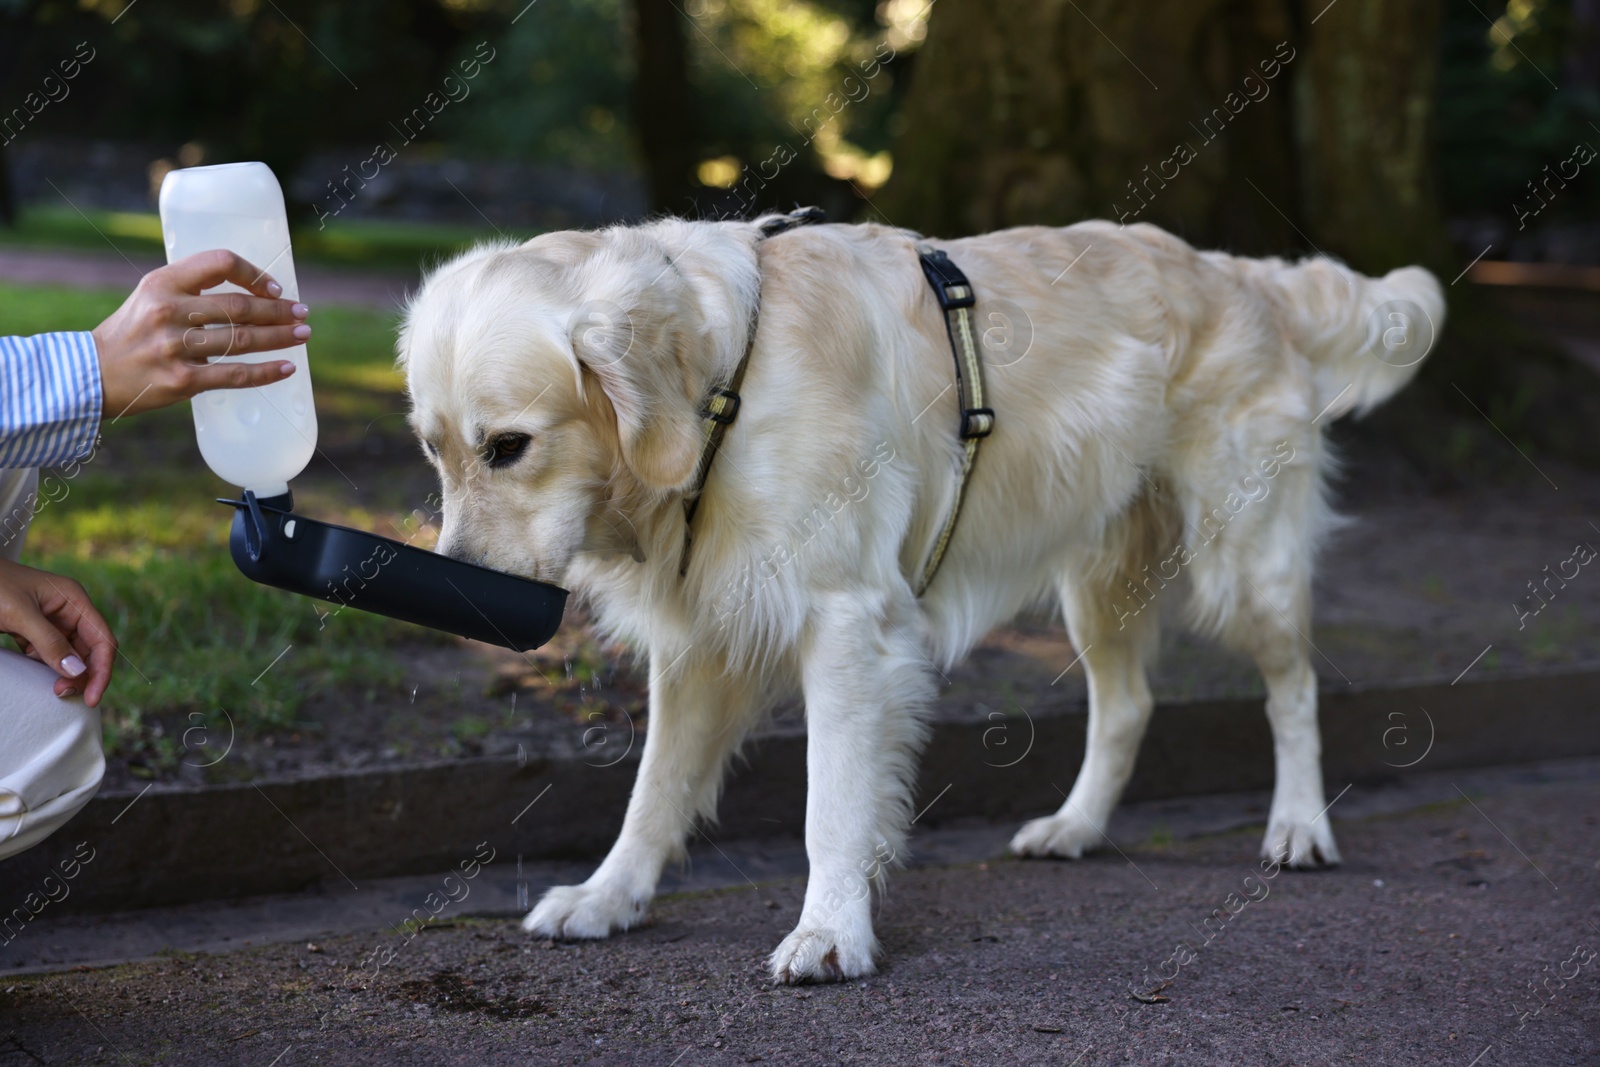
<point>153,349</point>
<point>54,623</point>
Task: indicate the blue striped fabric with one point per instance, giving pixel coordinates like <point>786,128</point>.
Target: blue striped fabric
<point>49,399</point>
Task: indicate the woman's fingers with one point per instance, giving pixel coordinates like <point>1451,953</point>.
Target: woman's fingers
<point>240,310</point>
<point>81,620</point>
<point>148,346</point>
<point>200,342</point>
<point>102,662</point>
<point>238,375</point>
<point>71,687</point>
<point>204,270</point>
<point>47,643</point>
<point>233,324</point>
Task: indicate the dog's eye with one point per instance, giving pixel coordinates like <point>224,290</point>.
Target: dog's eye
<point>505,448</point>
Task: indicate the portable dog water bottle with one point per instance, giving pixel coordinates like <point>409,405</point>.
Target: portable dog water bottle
<point>259,438</point>
<point>255,438</point>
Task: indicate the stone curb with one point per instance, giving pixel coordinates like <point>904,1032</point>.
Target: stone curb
<point>174,846</point>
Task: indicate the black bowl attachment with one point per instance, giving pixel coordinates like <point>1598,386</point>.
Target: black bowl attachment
<point>353,568</point>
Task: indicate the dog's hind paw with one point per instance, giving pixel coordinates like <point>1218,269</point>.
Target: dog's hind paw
<point>1303,845</point>
<point>1065,836</point>
<point>583,912</point>
<point>822,955</point>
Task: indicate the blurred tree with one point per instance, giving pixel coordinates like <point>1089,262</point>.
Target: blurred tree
<point>706,96</point>
<point>789,100</point>
<point>663,108</point>
<point>1182,113</point>
<point>558,91</point>
<point>269,81</point>
<point>1502,118</point>
<point>8,193</point>
<point>1582,61</point>
<point>728,107</point>
<point>1031,114</point>
<point>16,33</point>
<point>1365,134</point>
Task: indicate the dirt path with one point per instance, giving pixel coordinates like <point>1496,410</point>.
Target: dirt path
<point>96,270</point>
<point>1422,949</point>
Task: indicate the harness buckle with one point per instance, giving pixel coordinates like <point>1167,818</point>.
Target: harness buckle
<point>957,296</point>
<point>950,286</point>
<point>800,216</point>
<point>976,422</point>
<point>723,407</point>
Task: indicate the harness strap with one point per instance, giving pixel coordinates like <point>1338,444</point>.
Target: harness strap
<point>956,299</point>
<point>722,406</point>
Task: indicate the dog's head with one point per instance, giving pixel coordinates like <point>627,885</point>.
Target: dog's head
<point>554,384</point>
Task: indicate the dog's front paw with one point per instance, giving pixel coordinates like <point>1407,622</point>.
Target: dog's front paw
<point>1304,845</point>
<point>579,912</point>
<point>1066,836</point>
<point>822,955</point>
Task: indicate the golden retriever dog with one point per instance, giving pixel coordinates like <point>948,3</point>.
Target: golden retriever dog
<point>1158,452</point>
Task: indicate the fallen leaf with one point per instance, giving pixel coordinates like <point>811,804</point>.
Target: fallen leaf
<point>1154,996</point>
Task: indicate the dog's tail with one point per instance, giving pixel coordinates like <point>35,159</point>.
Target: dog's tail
<point>1366,337</point>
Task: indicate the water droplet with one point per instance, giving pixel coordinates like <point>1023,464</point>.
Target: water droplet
<point>413,694</point>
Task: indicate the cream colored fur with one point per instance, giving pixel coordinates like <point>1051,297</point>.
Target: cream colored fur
<point>1158,446</point>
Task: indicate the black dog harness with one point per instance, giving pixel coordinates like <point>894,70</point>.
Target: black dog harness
<point>955,296</point>
<point>722,407</point>
<point>954,293</point>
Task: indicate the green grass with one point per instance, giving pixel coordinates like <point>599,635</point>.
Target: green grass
<point>352,349</point>
<point>198,639</point>
<point>28,309</point>
<point>138,528</point>
<point>390,245</point>
<point>368,243</point>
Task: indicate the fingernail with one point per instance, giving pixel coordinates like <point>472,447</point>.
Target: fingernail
<point>301,332</point>
<point>299,311</point>
<point>69,691</point>
<point>274,288</point>
<point>73,666</point>
<point>286,367</point>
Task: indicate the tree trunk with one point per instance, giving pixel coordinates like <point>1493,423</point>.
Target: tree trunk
<point>16,33</point>
<point>8,193</point>
<point>1258,126</point>
<point>1176,112</point>
<point>1365,133</point>
<point>662,107</point>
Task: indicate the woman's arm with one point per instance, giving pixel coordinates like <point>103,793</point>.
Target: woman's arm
<point>50,399</point>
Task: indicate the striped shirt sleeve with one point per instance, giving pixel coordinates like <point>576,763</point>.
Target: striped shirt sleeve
<point>50,397</point>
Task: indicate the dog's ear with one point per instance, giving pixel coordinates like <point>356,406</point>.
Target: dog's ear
<point>647,358</point>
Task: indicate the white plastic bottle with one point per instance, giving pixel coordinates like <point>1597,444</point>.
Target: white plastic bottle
<point>256,438</point>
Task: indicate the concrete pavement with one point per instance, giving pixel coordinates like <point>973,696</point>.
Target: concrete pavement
<point>1460,931</point>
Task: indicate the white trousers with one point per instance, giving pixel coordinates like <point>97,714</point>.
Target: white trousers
<point>50,756</point>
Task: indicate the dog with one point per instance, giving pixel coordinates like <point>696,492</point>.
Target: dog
<point>1158,442</point>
